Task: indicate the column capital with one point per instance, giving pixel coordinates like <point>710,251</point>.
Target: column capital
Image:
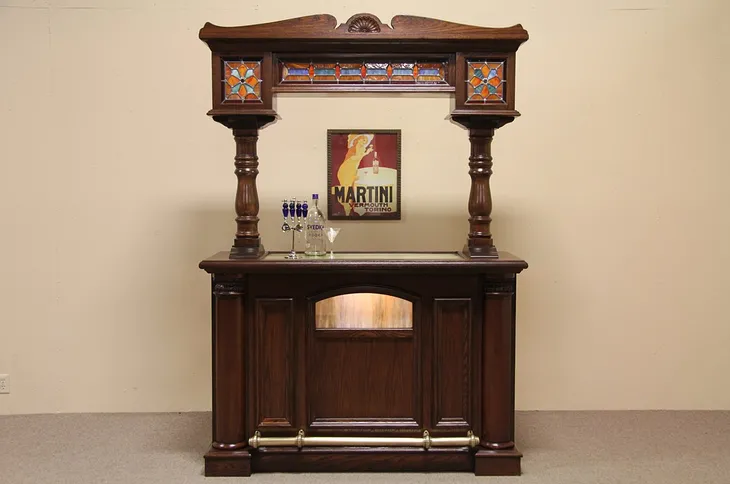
<point>248,120</point>
<point>476,120</point>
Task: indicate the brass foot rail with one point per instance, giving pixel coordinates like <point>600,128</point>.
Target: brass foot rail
<point>302,441</point>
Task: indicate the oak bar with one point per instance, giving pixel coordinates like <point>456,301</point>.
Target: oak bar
<point>426,382</point>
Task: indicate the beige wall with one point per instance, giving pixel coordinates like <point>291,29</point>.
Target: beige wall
<point>611,185</point>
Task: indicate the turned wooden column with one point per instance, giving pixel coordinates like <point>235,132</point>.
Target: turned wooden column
<point>247,242</point>
<point>497,361</point>
<point>479,241</point>
<point>481,128</point>
<point>497,454</point>
<point>229,431</point>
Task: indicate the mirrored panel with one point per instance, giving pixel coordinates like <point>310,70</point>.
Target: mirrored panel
<point>363,310</point>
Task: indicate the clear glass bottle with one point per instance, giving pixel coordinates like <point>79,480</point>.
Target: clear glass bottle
<point>314,242</point>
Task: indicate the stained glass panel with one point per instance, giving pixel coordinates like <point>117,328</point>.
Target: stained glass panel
<point>485,82</point>
<point>242,81</point>
<point>364,72</point>
<point>325,72</point>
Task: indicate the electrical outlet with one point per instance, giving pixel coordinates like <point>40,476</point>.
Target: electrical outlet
<point>4,388</point>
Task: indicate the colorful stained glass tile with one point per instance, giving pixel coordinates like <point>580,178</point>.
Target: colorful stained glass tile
<point>242,81</point>
<point>485,82</point>
<point>376,78</point>
<point>398,71</point>
<point>229,94</point>
<point>351,72</point>
<point>377,72</point>
<point>431,73</point>
<point>362,72</point>
<point>298,79</point>
<point>325,73</point>
<point>295,72</point>
<point>319,71</point>
<point>403,73</point>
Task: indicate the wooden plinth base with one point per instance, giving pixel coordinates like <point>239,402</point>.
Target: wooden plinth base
<point>497,462</point>
<point>224,463</point>
<point>480,252</point>
<point>254,252</point>
<point>242,463</point>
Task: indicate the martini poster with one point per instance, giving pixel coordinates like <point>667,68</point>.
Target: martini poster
<point>363,175</point>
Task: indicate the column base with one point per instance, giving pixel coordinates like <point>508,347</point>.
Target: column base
<point>476,251</point>
<point>247,249</point>
<point>226,463</point>
<point>497,462</point>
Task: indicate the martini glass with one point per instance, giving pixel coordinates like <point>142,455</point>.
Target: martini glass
<point>331,233</point>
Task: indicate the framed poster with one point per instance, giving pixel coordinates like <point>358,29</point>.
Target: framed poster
<point>363,174</point>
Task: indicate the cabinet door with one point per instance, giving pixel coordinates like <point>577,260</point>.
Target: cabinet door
<point>363,364</point>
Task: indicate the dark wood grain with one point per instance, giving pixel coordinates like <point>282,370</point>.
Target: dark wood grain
<point>247,241</point>
<point>324,27</point>
<point>274,360</point>
<point>349,334</point>
<point>363,460</point>
<point>498,366</point>
<point>364,382</point>
<point>221,263</point>
<point>452,363</point>
<point>356,379</point>
<point>480,197</point>
<point>229,431</point>
<point>222,463</point>
<point>481,131</point>
<point>497,462</point>
<point>452,372</point>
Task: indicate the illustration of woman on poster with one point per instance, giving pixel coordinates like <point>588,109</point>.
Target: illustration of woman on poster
<point>358,146</point>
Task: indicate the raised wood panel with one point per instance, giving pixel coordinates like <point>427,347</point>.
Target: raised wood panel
<point>274,350</point>
<point>452,363</point>
<point>354,381</point>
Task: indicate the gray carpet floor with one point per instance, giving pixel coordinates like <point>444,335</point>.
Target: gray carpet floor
<point>560,448</point>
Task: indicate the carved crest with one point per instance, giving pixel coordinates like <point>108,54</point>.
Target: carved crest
<point>364,24</point>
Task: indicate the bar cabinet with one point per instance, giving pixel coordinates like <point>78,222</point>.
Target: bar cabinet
<point>363,361</point>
